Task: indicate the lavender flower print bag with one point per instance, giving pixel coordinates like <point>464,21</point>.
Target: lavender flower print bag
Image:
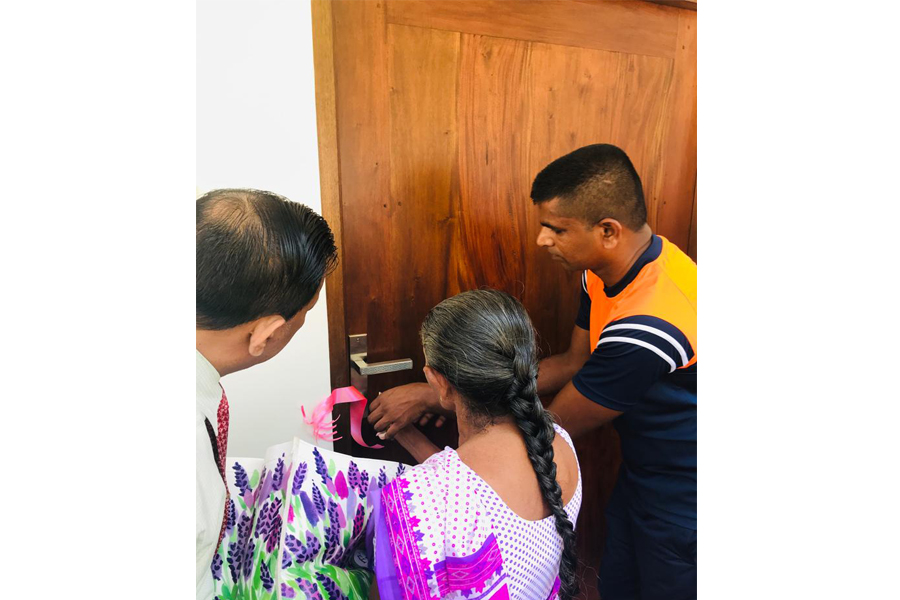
<point>296,525</point>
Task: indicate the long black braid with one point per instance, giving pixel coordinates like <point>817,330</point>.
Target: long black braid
<point>482,341</point>
<point>537,430</point>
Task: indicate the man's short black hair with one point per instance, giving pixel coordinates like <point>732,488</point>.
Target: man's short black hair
<point>594,183</point>
<point>258,254</point>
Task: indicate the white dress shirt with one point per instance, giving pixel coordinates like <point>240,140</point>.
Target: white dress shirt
<point>210,487</point>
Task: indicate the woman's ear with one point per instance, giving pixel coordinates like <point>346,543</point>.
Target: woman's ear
<point>440,385</point>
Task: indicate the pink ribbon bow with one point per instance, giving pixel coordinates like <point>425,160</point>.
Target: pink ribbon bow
<point>324,428</point>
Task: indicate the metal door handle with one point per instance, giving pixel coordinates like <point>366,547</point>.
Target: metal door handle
<point>358,362</point>
<point>358,347</point>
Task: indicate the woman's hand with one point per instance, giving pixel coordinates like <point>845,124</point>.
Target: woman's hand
<point>398,407</point>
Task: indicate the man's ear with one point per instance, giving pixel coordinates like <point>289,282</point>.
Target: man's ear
<point>262,331</point>
<point>609,231</point>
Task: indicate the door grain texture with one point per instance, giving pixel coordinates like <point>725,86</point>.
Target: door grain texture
<point>435,116</point>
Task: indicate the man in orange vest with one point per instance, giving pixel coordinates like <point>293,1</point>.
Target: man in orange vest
<point>632,361</point>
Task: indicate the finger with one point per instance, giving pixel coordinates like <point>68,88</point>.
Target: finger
<point>440,421</point>
<point>424,420</point>
<point>382,424</point>
<point>376,414</point>
<point>374,404</point>
<point>391,432</point>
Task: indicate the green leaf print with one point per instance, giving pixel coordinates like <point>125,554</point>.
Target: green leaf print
<point>360,582</point>
<point>299,571</point>
<point>226,593</point>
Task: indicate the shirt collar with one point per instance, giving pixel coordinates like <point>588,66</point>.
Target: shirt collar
<point>650,254</point>
<point>209,391</point>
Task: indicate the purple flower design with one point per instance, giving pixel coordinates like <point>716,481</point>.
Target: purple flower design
<point>231,518</point>
<point>321,469</point>
<point>248,559</point>
<point>299,476</point>
<point>278,477</point>
<point>287,591</point>
<point>286,560</point>
<point>244,525</point>
<point>351,502</point>
<point>331,588</point>
<point>312,515</point>
<point>312,546</point>
<point>353,475</point>
<point>340,485</point>
<point>217,567</point>
<point>241,481</point>
<point>363,483</point>
<point>342,519</point>
<point>266,577</point>
<point>401,469</point>
<point>234,559</point>
<point>265,486</point>
<point>318,500</point>
<point>373,488</point>
<point>294,545</point>
<point>382,478</point>
<point>333,549</point>
<point>359,523</point>
<point>262,520</point>
<point>269,522</point>
<point>310,589</point>
<point>274,533</point>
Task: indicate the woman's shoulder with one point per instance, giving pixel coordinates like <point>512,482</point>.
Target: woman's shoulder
<point>433,470</point>
<point>568,472</point>
<point>564,435</point>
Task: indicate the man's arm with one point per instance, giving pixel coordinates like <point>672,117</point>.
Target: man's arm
<point>633,353</point>
<point>556,371</point>
<point>416,443</point>
<point>577,414</point>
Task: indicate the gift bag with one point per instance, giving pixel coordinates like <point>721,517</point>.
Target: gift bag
<point>296,524</point>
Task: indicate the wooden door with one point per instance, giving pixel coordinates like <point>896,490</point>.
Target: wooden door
<point>435,116</point>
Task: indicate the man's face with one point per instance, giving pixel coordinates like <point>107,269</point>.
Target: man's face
<point>569,241</point>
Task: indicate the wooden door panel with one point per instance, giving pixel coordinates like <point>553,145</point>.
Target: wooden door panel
<point>493,157</point>
<point>679,169</point>
<point>363,119</point>
<point>443,112</point>
<point>424,190</point>
<point>627,26</point>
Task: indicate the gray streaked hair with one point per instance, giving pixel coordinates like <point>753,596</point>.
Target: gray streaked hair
<point>483,342</point>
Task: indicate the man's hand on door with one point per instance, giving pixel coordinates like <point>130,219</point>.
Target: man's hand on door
<point>398,407</point>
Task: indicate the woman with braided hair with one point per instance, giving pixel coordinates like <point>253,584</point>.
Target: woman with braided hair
<point>495,518</point>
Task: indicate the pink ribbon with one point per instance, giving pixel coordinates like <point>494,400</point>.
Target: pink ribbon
<point>324,428</point>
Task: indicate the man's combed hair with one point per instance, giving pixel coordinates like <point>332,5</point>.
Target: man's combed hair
<point>258,254</point>
<point>594,183</point>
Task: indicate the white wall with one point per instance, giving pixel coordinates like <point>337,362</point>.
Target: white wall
<point>256,127</point>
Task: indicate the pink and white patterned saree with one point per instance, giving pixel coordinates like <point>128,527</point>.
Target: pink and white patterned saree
<point>440,532</point>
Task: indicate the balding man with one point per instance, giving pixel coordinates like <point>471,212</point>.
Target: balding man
<point>261,261</point>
